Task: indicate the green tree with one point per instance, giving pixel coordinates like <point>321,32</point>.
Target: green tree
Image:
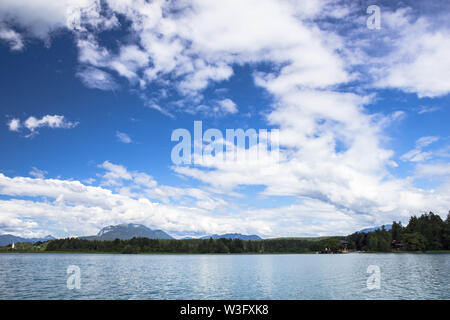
<point>446,233</point>
<point>128,249</point>
<point>397,231</point>
<point>414,241</point>
<point>221,246</point>
<point>372,241</point>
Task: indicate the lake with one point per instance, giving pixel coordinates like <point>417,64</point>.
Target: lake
<point>293,276</point>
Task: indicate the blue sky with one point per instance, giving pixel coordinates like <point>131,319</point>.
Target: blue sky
<point>91,91</point>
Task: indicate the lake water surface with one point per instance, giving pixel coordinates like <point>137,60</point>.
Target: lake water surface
<point>306,276</point>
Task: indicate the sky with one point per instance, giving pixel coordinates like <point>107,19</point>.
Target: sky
<point>91,92</point>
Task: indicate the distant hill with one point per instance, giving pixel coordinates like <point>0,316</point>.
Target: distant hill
<point>233,236</point>
<point>7,239</point>
<point>306,238</point>
<point>367,230</point>
<point>128,231</point>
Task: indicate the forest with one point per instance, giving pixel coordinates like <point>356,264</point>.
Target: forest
<point>425,233</point>
<point>145,245</point>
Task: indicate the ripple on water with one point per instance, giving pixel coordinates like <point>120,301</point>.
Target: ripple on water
<point>403,276</point>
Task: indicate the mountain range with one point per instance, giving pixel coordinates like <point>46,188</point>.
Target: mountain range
<point>132,230</point>
<point>128,231</point>
<point>367,230</point>
<point>124,232</point>
<point>233,236</point>
<point>6,239</point>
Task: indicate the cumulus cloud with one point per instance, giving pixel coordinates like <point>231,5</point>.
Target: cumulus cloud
<point>330,151</point>
<point>191,45</point>
<point>228,106</point>
<point>14,124</point>
<point>34,124</point>
<point>194,45</point>
<point>54,121</point>
<point>333,156</point>
<point>74,207</point>
<point>417,61</point>
<point>140,184</point>
<point>114,173</point>
<point>217,108</point>
<point>41,17</point>
<point>84,209</point>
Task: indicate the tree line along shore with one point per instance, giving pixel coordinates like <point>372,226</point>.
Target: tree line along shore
<point>427,232</point>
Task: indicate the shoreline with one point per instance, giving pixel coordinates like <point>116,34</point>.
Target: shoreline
<point>222,254</point>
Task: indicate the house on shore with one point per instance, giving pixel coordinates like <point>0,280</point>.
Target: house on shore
<point>397,245</point>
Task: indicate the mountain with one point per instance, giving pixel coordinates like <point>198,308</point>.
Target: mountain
<point>128,231</point>
<point>233,236</point>
<point>367,230</point>
<point>7,239</point>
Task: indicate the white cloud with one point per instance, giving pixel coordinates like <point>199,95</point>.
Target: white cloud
<point>426,141</point>
<point>14,125</point>
<point>333,158</point>
<point>218,108</point>
<point>228,106</point>
<point>83,210</point>
<point>418,60</point>
<point>54,121</point>
<point>37,173</point>
<point>193,45</point>
<point>50,121</point>
<point>89,181</point>
<point>114,173</point>
<point>331,151</point>
<point>97,79</point>
<point>13,38</point>
<point>34,124</point>
<point>439,170</point>
<point>427,109</point>
<point>139,184</point>
<point>417,154</point>
<point>41,17</point>
<point>123,137</point>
